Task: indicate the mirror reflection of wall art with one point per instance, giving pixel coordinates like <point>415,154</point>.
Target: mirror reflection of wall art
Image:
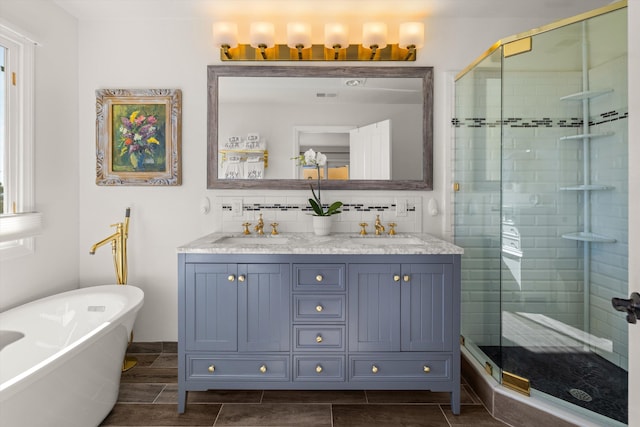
<point>138,136</point>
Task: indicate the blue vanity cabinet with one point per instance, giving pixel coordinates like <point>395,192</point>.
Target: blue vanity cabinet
<point>234,321</point>
<point>211,293</point>
<point>319,322</point>
<point>237,307</point>
<point>263,307</point>
<point>400,307</point>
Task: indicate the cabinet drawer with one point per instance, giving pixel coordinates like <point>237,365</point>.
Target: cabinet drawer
<point>401,367</point>
<point>238,368</point>
<point>318,277</point>
<point>312,338</point>
<point>318,368</point>
<point>319,308</point>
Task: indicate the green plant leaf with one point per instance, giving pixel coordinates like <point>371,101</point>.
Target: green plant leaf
<point>316,207</point>
<point>333,209</point>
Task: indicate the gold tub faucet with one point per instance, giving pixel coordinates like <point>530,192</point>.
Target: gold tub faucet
<point>118,242</point>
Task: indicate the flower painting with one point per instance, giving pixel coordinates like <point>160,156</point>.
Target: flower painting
<point>138,136</point>
<point>141,142</point>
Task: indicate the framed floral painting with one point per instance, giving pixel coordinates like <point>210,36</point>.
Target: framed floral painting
<point>138,136</point>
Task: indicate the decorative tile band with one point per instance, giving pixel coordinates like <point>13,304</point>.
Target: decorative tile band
<point>519,122</point>
<point>347,207</point>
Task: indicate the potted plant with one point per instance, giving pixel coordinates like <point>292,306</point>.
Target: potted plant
<point>321,214</point>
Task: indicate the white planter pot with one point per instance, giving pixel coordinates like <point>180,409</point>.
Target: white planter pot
<point>322,225</point>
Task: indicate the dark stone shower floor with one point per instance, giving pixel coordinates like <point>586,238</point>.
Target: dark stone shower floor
<point>558,372</point>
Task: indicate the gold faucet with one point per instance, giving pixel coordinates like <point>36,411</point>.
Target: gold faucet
<point>274,229</point>
<point>260,226</point>
<point>378,226</point>
<point>392,230</point>
<point>363,231</point>
<point>118,242</point>
<point>246,228</point>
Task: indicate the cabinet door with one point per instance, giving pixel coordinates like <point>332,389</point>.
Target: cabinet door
<point>374,307</point>
<point>211,308</point>
<point>264,307</point>
<point>426,307</point>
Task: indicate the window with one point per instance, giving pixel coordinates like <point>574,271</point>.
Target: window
<point>17,219</point>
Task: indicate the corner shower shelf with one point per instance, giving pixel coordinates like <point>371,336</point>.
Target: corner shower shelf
<point>584,236</point>
<point>586,188</point>
<point>586,135</point>
<point>588,94</point>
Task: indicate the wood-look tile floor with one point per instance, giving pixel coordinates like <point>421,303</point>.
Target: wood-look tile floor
<point>148,397</point>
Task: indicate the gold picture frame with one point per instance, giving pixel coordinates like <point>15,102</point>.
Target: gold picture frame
<point>138,137</point>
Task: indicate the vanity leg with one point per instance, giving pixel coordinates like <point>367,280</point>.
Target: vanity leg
<point>455,402</point>
<point>182,400</point>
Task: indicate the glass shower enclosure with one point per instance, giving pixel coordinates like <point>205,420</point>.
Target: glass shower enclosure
<point>541,210</point>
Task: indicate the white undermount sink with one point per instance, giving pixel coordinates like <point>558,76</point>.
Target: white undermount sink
<point>252,240</point>
<point>386,240</point>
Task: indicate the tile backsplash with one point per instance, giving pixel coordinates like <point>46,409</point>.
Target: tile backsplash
<point>293,214</point>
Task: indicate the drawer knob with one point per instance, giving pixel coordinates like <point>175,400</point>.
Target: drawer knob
<point>263,368</point>
<point>319,369</point>
<point>407,278</point>
<point>374,369</point>
<point>231,278</point>
<point>319,278</point>
<point>212,368</point>
<point>319,338</point>
<point>426,369</point>
<point>319,308</point>
<point>241,278</point>
<point>396,278</point>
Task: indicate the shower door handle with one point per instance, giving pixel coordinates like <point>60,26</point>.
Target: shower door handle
<point>631,306</point>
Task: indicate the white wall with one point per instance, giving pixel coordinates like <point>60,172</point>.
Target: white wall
<point>53,266</point>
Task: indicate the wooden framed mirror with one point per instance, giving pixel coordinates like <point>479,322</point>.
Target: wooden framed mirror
<point>271,114</point>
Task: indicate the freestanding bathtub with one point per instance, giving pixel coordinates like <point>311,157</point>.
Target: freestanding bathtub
<point>61,356</point>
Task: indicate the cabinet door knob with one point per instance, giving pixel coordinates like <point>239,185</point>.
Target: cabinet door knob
<point>212,368</point>
<point>319,368</point>
<point>241,278</point>
<point>374,369</point>
<point>319,338</point>
<point>263,368</point>
<point>231,278</point>
<point>406,278</point>
<point>426,369</point>
<point>396,278</point>
<point>319,308</point>
<point>319,278</point>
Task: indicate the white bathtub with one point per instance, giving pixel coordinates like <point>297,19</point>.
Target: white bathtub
<point>61,356</point>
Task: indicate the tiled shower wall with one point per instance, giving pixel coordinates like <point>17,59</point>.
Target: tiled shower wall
<point>548,279</point>
<point>293,213</point>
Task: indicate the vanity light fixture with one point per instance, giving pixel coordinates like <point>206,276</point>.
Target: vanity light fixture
<point>374,36</point>
<point>336,37</point>
<point>225,35</point>
<point>298,36</point>
<point>262,36</point>
<point>262,45</point>
<point>411,37</point>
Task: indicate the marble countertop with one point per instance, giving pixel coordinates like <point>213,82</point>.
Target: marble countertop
<point>309,243</point>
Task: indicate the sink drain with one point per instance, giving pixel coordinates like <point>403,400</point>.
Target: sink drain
<point>580,395</point>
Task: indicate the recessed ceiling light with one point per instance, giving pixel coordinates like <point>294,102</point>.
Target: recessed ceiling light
<point>354,82</point>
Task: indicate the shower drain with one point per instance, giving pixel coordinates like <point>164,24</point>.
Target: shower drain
<point>580,395</point>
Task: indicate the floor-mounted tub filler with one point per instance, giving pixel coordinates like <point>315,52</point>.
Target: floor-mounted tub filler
<point>61,356</point>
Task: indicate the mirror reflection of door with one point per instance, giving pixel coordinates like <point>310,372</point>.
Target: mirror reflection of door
<point>370,151</point>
